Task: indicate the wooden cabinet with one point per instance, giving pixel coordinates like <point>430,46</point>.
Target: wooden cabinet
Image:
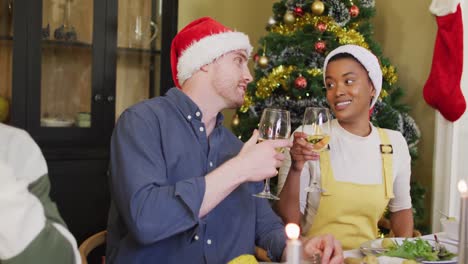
<point>69,68</point>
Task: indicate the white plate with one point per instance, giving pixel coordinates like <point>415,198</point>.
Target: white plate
<point>374,247</point>
<point>56,122</point>
<point>453,261</point>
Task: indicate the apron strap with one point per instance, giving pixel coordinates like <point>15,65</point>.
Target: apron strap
<point>325,171</point>
<point>386,150</point>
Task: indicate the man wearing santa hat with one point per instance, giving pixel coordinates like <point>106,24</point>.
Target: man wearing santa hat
<point>181,183</point>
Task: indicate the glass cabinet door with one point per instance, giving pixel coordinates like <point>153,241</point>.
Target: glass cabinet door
<point>138,52</point>
<point>66,63</point>
<point>6,55</point>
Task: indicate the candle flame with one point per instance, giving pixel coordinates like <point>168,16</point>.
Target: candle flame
<point>292,231</point>
<point>462,188</point>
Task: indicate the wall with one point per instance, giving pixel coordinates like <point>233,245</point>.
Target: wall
<point>243,15</point>
<point>405,29</point>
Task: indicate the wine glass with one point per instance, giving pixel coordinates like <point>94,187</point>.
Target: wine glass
<point>274,124</point>
<point>316,125</point>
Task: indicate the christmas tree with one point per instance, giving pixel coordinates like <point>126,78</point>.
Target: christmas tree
<point>288,67</point>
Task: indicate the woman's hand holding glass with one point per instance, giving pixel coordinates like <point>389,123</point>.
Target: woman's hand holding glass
<point>301,151</point>
<point>316,126</point>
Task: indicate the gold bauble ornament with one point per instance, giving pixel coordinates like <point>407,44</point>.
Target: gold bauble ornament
<point>289,18</point>
<point>263,61</point>
<point>317,7</point>
<point>235,120</point>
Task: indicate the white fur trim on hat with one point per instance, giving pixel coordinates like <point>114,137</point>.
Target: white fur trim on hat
<point>207,49</point>
<point>367,59</point>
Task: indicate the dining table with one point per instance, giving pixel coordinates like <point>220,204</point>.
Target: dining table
<point>356,253</point>
<point>443,238</point>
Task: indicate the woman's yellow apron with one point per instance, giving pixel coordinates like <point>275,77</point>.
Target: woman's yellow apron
<point>351,211</point>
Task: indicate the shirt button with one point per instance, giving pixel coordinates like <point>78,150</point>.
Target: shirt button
<point>211,164</point>
<point>189,117</point>
<point>196,237</point>
<point>202,129</point>
<point>197,114</point>
<point>208,241</point>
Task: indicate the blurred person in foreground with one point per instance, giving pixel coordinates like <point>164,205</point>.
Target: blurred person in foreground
<point>31,229</point>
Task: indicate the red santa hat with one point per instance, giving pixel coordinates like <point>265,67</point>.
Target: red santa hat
<point>200,43</point>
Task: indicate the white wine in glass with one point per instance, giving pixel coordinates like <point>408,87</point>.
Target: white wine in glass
<point>316,125</point>
<point>274,124</point>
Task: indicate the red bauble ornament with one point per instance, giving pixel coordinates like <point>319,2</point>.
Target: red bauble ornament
<point>255,57</point>
<point>300,82</point>
<point>298,11</point>
<point>354,11</point>
<point>320,46</point>
<point>321,26</point>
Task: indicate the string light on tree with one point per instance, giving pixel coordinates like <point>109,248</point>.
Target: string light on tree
<point>289,18</point>
<point>317,7</point>
<point>354,11</point>
<point>271,21</point>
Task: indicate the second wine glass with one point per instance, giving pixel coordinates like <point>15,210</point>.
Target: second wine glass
<point>316,125</point>
<point>274,124</point>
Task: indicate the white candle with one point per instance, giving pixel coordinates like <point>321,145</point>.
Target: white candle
<point>463,232</point>
<point>294,245</point>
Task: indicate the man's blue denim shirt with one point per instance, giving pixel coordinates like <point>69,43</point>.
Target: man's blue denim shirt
<point>160,154</point>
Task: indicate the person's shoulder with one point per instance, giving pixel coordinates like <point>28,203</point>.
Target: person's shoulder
<point>155,104</point>
<point>7,130</point>
<point>14,134</point>
<point>22,153</point>
<point>148,110</point>
<point>394,135</point>
<point>398,141</point>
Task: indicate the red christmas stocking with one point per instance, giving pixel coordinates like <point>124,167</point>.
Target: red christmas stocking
<point>442,89</point>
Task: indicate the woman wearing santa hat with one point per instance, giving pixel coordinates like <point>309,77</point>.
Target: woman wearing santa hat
<point>365,169</point>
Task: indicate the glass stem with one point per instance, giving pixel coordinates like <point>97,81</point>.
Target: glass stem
<point>266,187</point>
<point>315,170</point>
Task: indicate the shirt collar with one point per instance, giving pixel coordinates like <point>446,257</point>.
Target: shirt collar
<point>188,107</point>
